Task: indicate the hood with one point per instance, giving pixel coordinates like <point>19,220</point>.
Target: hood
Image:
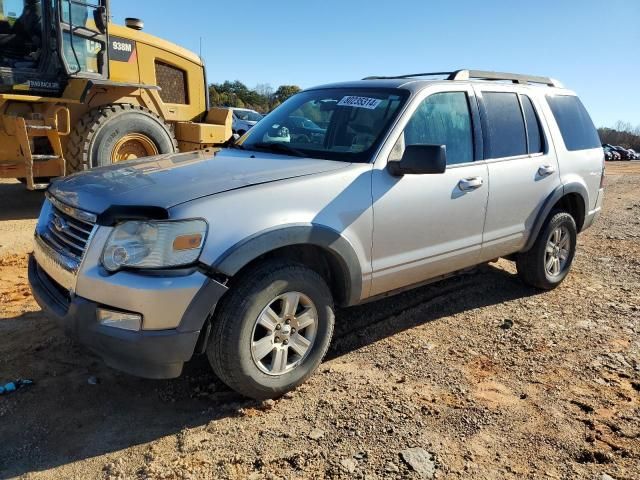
<point>168,180</point>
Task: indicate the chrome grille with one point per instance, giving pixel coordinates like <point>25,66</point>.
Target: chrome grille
<point>66,233</point>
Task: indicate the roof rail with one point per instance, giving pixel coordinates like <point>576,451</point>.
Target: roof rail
<point>480,75</point>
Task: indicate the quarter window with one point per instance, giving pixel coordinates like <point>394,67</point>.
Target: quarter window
<point>443,119</point>
<point>576,127</point>
<point>506,131</point>
<point>534,134</point>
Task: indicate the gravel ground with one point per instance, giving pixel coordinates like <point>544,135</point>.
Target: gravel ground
<point>475,377</point>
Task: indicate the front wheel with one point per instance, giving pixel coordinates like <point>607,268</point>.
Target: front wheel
<point>272,330</point>
<point>548,262</point>
<point>115,133</point>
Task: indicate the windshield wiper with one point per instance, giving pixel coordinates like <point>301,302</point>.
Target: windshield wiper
<point>279,148</point>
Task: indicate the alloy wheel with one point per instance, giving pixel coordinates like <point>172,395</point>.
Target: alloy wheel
<point>284,333</point>
<point>557,251</point>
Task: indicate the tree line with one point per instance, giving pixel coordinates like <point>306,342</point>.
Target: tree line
<point>622,134</point>
<point>263,98</point>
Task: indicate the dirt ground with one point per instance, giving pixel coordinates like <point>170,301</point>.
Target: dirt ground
<point>491,378</point>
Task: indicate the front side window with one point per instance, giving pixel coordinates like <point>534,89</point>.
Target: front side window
<point>443,119</point>
<point>506,132</point>
<point>20,33</point>
<point>576,127</point>
<point>335,124</point>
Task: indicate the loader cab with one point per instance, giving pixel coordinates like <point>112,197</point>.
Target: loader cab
<point>44,43</point>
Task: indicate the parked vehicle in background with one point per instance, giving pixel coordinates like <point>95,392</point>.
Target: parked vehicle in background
<point>610,154</point>
<point>623,152</point>
<point>607,153</point>
<point>243,252</point>
<point>305,130</point>
<point>635,155</point>
<point>244,119</point>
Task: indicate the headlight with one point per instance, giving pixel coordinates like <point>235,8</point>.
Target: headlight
<point>152,244</point>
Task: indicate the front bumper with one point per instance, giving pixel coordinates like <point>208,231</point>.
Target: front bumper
<point>145,353</point>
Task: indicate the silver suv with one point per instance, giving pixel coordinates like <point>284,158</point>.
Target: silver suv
<point>243,252</point>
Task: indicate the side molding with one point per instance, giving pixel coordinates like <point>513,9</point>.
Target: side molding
<point>242,253</point>
<point>549,203</point>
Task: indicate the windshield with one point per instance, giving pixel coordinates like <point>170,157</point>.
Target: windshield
<point>334,124</point>
<point>247,115</point>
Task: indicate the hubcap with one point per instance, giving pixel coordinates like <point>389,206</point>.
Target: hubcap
<point>284,333</point>
<point>557,252</point>
<point>133,145</point>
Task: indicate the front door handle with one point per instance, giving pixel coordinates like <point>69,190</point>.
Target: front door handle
<point>468,184</point>
<point>546,170</point>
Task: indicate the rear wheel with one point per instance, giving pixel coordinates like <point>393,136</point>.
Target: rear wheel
<point>116,133</point>
<point>548,262</point>
<point>271,330</point>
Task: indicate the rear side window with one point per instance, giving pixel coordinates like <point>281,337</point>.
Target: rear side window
<point>576,127</point>
<point>534,134</point>
<point>507,135</point>
<point>443,119</point>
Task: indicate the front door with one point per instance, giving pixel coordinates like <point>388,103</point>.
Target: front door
<point>428,225</point>
<point>27,65</point>
<point>83,37</point>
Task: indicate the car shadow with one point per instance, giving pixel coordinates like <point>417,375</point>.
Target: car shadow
<point>64,417</point>
<point>18,203</point>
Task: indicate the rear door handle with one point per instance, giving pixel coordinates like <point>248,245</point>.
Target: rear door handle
<point>468,184</point>
<point>546,170</point>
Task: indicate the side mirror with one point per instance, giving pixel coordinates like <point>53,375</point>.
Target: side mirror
<point>420,160</point>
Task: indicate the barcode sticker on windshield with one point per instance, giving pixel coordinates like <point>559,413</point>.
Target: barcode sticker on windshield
<point>360,102</point>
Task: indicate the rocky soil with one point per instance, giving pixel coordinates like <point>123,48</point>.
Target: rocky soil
<point>475,377</point>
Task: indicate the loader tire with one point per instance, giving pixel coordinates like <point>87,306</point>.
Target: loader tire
<point>118,132</point>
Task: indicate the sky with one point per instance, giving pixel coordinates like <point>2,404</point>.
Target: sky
<point>591,46</point>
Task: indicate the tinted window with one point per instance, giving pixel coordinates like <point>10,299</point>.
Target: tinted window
<point>507,137</point>
<point>443,119</point>
<point>534,134</point>
<point>576,127</point>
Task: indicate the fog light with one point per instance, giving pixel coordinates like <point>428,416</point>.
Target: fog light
<point>122,320</point>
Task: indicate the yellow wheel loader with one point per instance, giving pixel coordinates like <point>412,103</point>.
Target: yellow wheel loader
<point>77,92</point>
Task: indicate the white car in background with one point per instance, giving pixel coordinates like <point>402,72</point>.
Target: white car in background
<point>244,119</point>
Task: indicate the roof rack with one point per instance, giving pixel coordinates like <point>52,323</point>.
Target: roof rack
<point>480,75</point>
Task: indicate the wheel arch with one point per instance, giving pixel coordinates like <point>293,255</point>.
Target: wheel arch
<point>572,197</point>
<point>319,247</point>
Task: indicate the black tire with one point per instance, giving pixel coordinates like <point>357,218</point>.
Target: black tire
<point>229,348</point>
<point>95,135</point>
<point>531,265</point>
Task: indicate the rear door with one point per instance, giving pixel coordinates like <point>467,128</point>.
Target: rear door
<point>523,167</point>
<point>82,37</point>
